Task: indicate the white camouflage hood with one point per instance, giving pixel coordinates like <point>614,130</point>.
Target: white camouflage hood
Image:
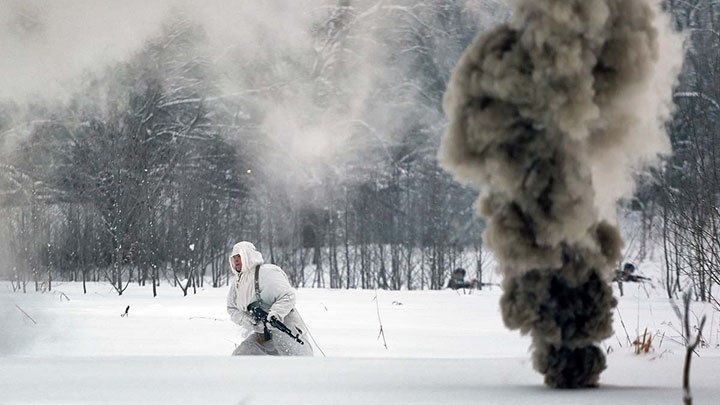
<point>248,254</point>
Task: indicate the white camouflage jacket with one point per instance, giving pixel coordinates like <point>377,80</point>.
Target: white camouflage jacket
<point>276,293</point>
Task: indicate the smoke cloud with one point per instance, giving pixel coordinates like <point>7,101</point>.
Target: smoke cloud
<point>550,115</point>
<point>271,54</point>
<point>48,45</point>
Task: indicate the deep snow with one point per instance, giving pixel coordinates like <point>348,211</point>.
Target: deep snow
<point>442,347</point>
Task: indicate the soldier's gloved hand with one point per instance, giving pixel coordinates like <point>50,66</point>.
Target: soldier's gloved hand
<point>257,325</point>
<point>274,315</point>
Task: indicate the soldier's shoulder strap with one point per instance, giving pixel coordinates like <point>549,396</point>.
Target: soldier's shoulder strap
<point>257,283</point>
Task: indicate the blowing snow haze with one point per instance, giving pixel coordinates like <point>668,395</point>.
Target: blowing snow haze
<point>545,114</point>
<point>321,76</point>
<point>127,118</point>
<point>48,46</point>
<point>54,50</point>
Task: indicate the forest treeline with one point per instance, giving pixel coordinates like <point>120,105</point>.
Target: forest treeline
<point>322,153</point>
<point>680,202</point>
<point>155,167</point>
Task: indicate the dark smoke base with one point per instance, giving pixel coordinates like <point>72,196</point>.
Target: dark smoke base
<point>564,367</point>
<point>544,304</point>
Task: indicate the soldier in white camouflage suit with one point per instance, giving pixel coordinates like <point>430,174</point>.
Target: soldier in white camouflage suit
<point>276,296</point>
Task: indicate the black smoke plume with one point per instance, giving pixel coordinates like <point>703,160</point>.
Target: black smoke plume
<point>545,112</point>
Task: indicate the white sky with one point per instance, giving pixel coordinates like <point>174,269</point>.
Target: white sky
<point>46,45</point>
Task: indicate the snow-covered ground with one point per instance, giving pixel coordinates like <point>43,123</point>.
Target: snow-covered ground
<point>442,347</point>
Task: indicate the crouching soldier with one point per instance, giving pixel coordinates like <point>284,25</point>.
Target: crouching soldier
<point>628,274</point>
<point>267,288</point>
<point>457,280</point>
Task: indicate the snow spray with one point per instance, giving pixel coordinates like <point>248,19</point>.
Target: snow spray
<point>549,115</point>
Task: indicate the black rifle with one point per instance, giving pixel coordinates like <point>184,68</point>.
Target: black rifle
<point>261,315</point>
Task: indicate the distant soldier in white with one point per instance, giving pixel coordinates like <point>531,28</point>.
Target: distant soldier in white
<point>262,302</point>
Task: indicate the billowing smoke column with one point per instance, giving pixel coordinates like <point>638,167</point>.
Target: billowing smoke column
<point>543,111</point>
